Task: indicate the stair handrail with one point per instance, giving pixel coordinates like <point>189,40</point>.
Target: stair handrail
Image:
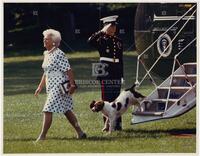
<point>139,56</point>
<point>173,69</point>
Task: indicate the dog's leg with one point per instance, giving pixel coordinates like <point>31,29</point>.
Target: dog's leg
<point>112,124</point>
<point>106,125</point>
<point>138,107</point>
<point>141,108</point>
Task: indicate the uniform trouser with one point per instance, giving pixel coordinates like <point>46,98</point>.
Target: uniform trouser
<point>110,92</point>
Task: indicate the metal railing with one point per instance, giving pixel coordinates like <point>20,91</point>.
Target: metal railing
<point>173,69</point>
<point>146,50</point>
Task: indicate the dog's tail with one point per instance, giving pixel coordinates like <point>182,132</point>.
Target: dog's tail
<point>132,88</point>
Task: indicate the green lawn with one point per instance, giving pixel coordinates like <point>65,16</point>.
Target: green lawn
<point>23,116</point>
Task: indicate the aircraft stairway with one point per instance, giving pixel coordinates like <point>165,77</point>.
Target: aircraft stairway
<point>174,97</point>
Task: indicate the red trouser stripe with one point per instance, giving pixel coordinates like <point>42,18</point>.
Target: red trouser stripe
<point>102,91</point>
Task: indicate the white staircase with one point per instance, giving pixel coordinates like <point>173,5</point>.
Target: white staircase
<point>174,97</point>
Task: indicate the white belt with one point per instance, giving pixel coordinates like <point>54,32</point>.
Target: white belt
<point>54,74</point>
<point>109,59</point>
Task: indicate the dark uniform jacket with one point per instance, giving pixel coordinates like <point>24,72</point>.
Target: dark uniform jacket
<point>109,47</point>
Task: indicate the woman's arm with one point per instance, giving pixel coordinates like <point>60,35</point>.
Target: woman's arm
<point>41,85</point>
<point>71,81</point>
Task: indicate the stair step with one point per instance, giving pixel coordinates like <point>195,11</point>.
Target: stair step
<point>190,64</point>
<point>190,68</point>
<point>174,94</point>
<point>176,87</point>
<point>148,113</point>
<point>182,80</point>
<point>164,100</point>
<point>183,76</point>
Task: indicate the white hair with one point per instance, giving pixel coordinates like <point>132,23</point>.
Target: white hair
<point>54,34</point>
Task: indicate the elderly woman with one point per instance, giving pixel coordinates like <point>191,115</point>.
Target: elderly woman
<point>57,71</point>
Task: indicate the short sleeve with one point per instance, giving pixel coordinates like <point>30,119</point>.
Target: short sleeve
<point>44,63</point>
<point>45,52</point>
<point>63,62</point>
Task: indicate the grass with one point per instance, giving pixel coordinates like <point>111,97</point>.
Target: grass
<point>23,116</point>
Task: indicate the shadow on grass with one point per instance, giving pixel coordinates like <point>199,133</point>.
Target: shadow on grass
<point>120,135</point>
<point>21,139</point>
<point>170,131</point>
<point>92,138</point>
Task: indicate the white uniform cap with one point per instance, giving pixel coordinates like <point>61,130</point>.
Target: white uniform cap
<point>109,19</point>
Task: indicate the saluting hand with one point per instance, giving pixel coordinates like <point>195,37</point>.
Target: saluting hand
<point>109,29</point>
<point>105,28</point>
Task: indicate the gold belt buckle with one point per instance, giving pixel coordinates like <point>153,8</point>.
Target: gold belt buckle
<point>114,60</point>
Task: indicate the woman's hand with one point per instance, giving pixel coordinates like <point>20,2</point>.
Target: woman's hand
<point>38,90</point>
<point>72,89</point>
<point>72,85</point>
<point>40,86</point>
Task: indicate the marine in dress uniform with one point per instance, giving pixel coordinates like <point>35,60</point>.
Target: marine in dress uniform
<point>110,49</point>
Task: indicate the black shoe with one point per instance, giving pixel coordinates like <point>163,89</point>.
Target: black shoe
<point>83,136</point>
<point>118,128</point>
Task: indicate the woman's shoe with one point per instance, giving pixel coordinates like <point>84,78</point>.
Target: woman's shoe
<point>40,138</point>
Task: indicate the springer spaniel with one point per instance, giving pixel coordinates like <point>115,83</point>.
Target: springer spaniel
<point>112,110</point>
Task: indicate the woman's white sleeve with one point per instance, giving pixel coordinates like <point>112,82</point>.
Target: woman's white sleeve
<point>63,63</point>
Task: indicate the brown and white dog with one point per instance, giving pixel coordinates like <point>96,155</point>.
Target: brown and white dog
<point>112,110</point>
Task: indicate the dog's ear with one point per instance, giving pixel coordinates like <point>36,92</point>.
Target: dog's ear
<point>92,104</point>
<point>102,102</point>
<point>100,105</point>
